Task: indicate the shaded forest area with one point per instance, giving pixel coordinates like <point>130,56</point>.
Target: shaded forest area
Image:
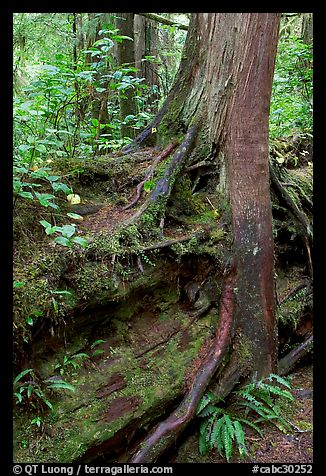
<point>163,289</point>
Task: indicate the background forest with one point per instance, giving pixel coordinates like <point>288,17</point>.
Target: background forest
<point>85,85</point>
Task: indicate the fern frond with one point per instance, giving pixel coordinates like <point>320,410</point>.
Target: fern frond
<point>202,443</point>
<point>252,399</point>
<point>210,410</point>
<point>216,437</point>
<point>227,438</point>
<point>260,409</point>
<point>281,393</point>
<point>229,424</point>
<point>252,425</point>
<point>239,438</point>
<point>280,380</point>
<point>207,398</point>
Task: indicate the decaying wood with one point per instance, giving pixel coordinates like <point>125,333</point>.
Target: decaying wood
<point>287,363</point>
<point>166,432</point>
<point>165,153</point>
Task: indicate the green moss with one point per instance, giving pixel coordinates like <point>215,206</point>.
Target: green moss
<point>75,422</point>
<point>290,312</point>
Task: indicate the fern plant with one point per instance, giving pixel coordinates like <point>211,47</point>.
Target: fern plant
<point>223,429</point>
<point>33,393</point>
<point>259,397</point>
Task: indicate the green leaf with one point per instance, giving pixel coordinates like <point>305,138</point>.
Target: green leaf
<point>21,374</point>
<point>97,342</point>
<point>80,241</point>
<point>62,385</point>
<point>61,187</point>
<point>45,224</point>
<point>27,195</point>
<point>61,240</point>
<point>19,284</point>
<point>81,355</point>
<point>53,178</point>
<point>74,216</point>
<point>68,230</point>
<point>63,292</point>
<point>18,396</point>
<point>29,320</point>
<point>47,402</point>
<point>148,185</point>
<point>41,148</point>
<point>280,380</point>
<point>30,390</point>
<point>97,352</point>
<point>240,438</point>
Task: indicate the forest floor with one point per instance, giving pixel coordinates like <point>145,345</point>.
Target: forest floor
<point>152,311</point>
<point>275,446</point>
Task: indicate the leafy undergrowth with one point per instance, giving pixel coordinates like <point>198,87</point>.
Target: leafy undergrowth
<point>294,446</point>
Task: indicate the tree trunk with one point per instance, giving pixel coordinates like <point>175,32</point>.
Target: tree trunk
<point>307,28</point>
<point>146,45</point>
<point>126,57</point>
<point>223,87</point>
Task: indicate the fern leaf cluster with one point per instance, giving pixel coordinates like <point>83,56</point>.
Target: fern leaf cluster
<point>222,430</point>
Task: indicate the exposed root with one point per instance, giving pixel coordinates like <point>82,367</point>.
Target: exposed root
<point>287,363</point>
<point>165,153</point>
<point>300,216</point>
<point>146,133</point>
<point>284,195</point>
<point>166,432</point>
<point>163,188</point>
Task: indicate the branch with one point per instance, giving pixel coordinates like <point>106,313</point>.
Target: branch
<point>287,363</point>
<point>165,433</point>
<point>166,243</point>
<point>165,21</point>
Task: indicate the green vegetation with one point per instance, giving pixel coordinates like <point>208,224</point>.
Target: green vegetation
<point>222,428</point>
<point>291,103</point>
<point>110,298</point>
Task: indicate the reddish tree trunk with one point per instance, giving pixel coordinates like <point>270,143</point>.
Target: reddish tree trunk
<point>224,87</point>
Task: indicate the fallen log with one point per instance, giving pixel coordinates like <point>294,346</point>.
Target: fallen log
<point>166,432</point>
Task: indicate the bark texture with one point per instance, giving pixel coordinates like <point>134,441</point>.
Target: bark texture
<point>225,76</point>
<point>126,57</point>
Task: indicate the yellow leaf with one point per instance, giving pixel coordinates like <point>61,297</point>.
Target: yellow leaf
<point>154,130</point>
<point>73,198</point>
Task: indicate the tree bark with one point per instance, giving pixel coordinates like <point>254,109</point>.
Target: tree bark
<point>225,76</point>
<point>146,45</point>
<point>126,57</point>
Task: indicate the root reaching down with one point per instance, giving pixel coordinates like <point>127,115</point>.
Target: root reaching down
<point>162,190</point>
<point>166,432</point>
